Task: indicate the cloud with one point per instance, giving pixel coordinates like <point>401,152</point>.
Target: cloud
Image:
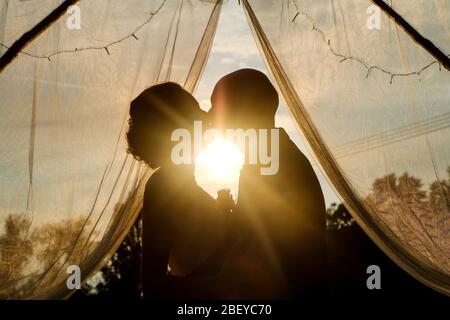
<point>227,60</point>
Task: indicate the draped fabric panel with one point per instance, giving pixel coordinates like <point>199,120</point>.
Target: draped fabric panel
<point>25,15</point>
<point>69,190</point>
<point>374,107</point>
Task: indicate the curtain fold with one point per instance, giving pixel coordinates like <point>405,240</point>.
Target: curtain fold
<point>70,192</point>
<point>373,107</point>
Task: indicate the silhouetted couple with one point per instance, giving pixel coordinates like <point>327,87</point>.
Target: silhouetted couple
<point>270,245</point>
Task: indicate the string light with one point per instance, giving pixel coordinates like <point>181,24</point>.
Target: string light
<point>105,47</point>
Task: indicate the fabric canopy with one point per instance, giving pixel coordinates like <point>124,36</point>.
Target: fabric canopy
<point>373,105</point>
<point>371,102</point>
<point>69,190</point>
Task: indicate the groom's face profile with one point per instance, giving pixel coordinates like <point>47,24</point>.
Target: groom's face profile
<point>244,99</point>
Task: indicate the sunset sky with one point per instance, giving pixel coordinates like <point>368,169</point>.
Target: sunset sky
<point>234,48</point>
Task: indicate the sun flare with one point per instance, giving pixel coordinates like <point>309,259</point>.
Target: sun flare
<point>218,166</point>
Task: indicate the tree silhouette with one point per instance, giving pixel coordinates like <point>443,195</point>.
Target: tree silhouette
<point>338,217</point>
<point>420,218</point>
<point>120,277</point>
<point>32,259</point>
<point>349,248</point>
<point>15,252</point>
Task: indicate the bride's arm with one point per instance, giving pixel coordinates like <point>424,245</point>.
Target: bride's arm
<point>225,201</point>
<point>156,241</point>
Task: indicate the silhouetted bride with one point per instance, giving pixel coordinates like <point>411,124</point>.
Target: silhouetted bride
<point>182,225</point>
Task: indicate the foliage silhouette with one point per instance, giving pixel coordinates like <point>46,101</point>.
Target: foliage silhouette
<point>350,251</point>
<point>32,258</point>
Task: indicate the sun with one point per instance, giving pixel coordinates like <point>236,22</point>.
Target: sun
<point>218,166</point>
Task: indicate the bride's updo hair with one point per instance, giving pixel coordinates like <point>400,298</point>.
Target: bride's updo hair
<point>154,115</point>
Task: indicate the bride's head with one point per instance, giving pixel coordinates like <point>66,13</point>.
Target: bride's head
<point>154,115</point>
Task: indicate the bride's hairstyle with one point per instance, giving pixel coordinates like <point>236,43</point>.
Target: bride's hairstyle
<point>154,115</point>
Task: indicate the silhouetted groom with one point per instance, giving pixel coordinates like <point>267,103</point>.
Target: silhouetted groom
<point>282,216</point>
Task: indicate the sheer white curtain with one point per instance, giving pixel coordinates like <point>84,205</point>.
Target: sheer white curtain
<point>69,190</point>
<point>374,107</point>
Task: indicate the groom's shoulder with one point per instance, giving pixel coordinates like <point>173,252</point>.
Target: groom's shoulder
<point>288,148</point>
<point>293,162</point>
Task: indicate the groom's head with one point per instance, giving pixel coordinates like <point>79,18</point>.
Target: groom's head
<point>244,99</point>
